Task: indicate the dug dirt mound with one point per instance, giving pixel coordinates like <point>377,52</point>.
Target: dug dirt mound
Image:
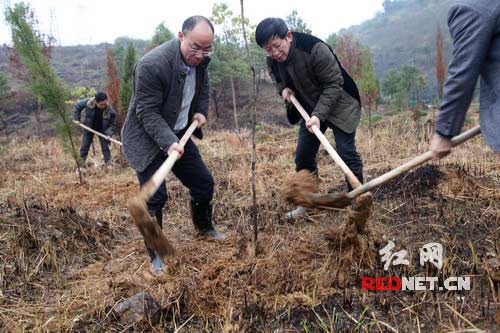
<point>419,182</point>
<point>43,245</point>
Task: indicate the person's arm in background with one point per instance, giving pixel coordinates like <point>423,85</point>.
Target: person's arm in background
<point>471,34</point>
<point>77,109</point>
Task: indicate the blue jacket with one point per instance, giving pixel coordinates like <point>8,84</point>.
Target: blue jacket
<point>475,29</point>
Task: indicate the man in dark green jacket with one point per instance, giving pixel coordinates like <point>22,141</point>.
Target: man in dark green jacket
<point>304,66</point>
<point>100,116</point>
<point>170,91</point>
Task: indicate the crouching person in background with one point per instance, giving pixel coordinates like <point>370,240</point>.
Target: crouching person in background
<point>101,117</point>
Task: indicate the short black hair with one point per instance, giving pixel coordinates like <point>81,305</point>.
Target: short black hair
<point>100,96</point>
<point>268,28</point>
<point>192,21</point>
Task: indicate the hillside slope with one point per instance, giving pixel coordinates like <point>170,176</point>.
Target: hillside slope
<point>406,34</point>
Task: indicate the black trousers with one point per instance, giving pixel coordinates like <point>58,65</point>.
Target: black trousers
<point>308,145</point>
<point>190,170</point>
<point>87,141</point>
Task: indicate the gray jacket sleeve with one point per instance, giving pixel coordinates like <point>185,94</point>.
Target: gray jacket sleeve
<point>148,92</point>
<point>329,76</point>
<point>78,107</point>
<point>471,33</point>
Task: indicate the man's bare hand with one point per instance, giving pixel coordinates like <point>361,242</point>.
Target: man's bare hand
<point>314,121</point>
<point>176,147</point>
<point>201,119</point>
<point>440,146</point>
<point>287,94</point>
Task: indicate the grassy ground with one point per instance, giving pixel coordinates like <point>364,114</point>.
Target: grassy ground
<point>69,252</point>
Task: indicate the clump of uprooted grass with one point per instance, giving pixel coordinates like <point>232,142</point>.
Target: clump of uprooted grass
<point>349,237</point>
<point>300,280</point>
<point>298,186</point>
<point>43,247</point>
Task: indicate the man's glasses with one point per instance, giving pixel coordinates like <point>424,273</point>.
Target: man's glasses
<point>197,50</point>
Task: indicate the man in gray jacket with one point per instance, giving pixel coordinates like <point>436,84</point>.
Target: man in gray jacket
<point>171,89</point>
<point>475,29</point>
<point>100,116</point>
<point>303,65</point>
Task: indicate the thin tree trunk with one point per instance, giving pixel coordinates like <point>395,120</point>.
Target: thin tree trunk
<point>237,94</point>
<point>234,105</point>
<point>417,114</point>
<point>38,110</point>
<point>216,104</point>
<point>254,146</point>
<point>259,80</point>
<point>370,120</point>
<point>73,150</point>
<point>223,96</point>
<point>4,124</point>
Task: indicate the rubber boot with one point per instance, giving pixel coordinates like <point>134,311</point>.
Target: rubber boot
<point>201,213</point>
<point>156,260</point>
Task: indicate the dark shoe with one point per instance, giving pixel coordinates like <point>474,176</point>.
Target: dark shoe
<point>213,234</point>
<point>201,213</point>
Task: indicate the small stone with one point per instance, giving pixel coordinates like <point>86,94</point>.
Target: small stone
<point>141,307</point>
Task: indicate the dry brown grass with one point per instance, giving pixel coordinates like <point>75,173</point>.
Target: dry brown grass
<point>298,186</point>
<point>57,275</point>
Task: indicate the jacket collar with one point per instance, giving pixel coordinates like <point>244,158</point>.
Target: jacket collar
<point>292,51</point>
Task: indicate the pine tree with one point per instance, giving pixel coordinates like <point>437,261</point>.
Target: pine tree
<point>296,23</point>
<point>228,63</point>
<point>332,40</point>
<point>368,85</point>
<point>44,83</point>
<point>126,80</point>
<point>161,35</point>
